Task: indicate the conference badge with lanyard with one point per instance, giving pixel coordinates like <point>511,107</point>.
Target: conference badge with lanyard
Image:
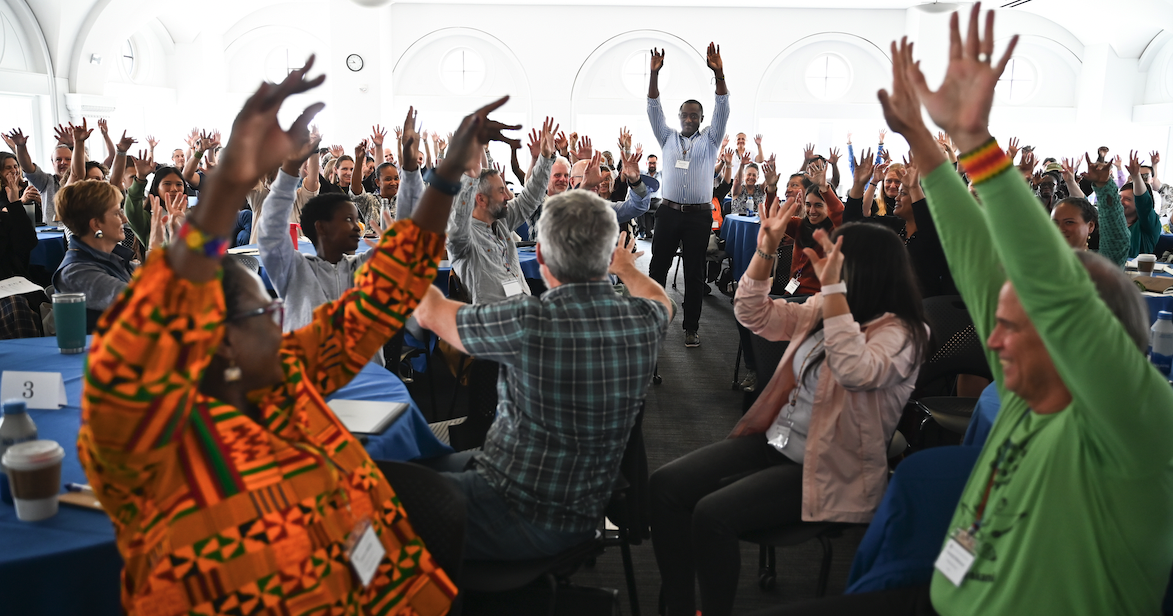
<point>959,553</point>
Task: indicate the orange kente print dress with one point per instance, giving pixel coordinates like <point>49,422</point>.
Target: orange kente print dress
<point>217,514</point>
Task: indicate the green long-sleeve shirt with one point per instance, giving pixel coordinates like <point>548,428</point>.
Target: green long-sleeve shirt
<point>1078,520</point>
<point>137,214</point>
<point>1147,229</point>
<point>1114,235</point>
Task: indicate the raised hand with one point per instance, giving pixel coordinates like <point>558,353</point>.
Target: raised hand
<point>337,151</point>
<point>879,172</point>
<point>476,131</point>
<point>561,144</point>
<point>757,139</point>
<point>152,142</point>
<point>124,144</point>
<point>657,60</point>
<point>727,156</point>
<point>592,176</point>
<point>1070,169</point>
<point>1098,173</point>
<point>399,133</point>
<point>962,104</point>
<point>585,150</point>
<point>535,143</point>
<point>833,157</point>
<point>31,195</point>
<point>1154,160</point>
<point>1029,162</point>
<point>16,138</point>
<point>624,257</point>
<point>257,143</point>
<point>772,227</point>
<point>192,138</point>
<point>378,133</point>
<point>103,127</point>
<point>864,168</point>
<point>1118,162</point>
<point>713,58</point>
<point>409,141</point>
<point>624,139</point>
<point>1012,148</point>
<point>770,174</point>
<point>808,152</point>
<point>828,268</point>
<point>9,141</point>
<point>746,159</point>
<point>546,142</point>
<point>64,134</point>
<point>143,165</point>
<point>887,156</point>
<point>631,164</point>
<point>1134,165</point>
<point>159,236</point>
<point>81,133</point>
<point>360,153</point>
<point>725,142</point>
<point>883,133</point>
<point>848,138</point>
<point>817,171</point>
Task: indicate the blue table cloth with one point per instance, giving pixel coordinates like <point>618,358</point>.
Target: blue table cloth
<point>527,256</point>
<point>69,563</point>
<point>741,240</point>
<point>50,249</point>
<point>1165,242</point>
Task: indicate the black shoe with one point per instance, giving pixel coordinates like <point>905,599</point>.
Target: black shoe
<point>691,340</point>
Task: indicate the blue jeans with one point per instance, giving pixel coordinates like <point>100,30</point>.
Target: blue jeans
<point>495,531</point>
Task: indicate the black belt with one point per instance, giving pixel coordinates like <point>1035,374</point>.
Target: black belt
<point>687,207</point>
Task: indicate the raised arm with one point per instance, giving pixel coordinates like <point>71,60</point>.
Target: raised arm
<point>736,192</point>
<point>360,161</point>
<point>411,183</point>
<point>862,173</point>
<point>1113,226</point>
<point>77,165</point>
<point>761,157</point>
<point>120,152</point>
<point>311,182</point>
<point>535,189</point>
<point>655,110</point>
<point>105,130</point>
<point>20,144</point>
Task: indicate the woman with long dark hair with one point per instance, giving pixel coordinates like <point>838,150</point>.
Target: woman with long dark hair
<point>166,186</point>
<point>813,447</point>
<point>823,210</point>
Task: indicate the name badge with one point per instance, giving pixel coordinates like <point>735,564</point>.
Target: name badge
<point>682,164</point>
<point>956,559</point>
<point>367,553</point>
<point>792,286</point>
<point>512,287</point>
<point>39,390</point>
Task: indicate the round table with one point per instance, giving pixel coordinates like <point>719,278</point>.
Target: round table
<point>69,564</point>
<point>50,249</point>
<point>741,239</point>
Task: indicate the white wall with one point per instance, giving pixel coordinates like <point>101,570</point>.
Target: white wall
<point>570,62</point>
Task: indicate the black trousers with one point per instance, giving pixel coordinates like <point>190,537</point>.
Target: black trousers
<point>647,222</point>
<point>702,502</point>
<point>675,228</point>
<point>912,601</point>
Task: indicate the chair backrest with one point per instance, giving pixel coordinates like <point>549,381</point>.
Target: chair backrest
<point>456,290</point>
<point>954,347</point>
<point>436,509</point>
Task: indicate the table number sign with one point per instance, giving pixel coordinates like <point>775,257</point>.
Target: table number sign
<point>39,390</point>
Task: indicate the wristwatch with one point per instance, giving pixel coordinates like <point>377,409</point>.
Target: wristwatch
<point>440,184</point>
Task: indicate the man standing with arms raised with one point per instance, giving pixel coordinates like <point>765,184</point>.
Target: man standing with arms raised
<point>686,192</point>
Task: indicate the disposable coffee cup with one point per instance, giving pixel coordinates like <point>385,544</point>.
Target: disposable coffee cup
<point>34,476</point>
<point>69,316</point>
<point>1145,264</point>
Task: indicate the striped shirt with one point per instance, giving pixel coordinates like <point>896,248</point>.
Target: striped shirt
<point>695,184</point>
<point>575,367</point>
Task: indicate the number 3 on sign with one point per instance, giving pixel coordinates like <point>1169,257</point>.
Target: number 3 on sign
<point>39,390</point>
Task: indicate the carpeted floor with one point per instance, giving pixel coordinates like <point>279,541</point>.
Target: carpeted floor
<point>694,406</point>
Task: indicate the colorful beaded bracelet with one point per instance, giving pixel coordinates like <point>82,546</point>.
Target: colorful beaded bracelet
<point>197,241</point>
<point>985,162</point>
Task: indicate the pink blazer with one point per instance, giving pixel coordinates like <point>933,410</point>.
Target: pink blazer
<point>867,377</point>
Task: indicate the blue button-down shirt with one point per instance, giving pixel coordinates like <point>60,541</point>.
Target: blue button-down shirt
<point>695,184</point>
<point>575,367</point>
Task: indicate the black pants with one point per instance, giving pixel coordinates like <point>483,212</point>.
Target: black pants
<point>647,221</point>
<point>747,348</point>
<point>674,228</point>
<point>702,502</point>
<point>912,601</point>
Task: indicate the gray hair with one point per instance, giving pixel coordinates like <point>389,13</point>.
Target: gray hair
<point>1120,294</point>
<point>579,230</point>
<point>484,187</point>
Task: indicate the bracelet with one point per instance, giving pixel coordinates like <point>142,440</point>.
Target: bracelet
<point>118,152</point>
<point>831,289</point>
<point>765,255</point>
<point>987,161</point>
<point>435,181</point>
<point>196,240</point>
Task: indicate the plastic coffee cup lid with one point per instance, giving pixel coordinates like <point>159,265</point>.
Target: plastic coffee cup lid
<point>1146,257</point>
<point>32,455</point>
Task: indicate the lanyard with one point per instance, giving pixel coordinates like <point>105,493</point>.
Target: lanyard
<point>1003,450</point>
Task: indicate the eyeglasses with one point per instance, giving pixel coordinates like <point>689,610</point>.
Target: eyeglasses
<point>275,310</point>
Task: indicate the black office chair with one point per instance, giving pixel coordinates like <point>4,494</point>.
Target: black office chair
<point>250,262</point>
<point>436,509</point>
<point>788,535</point>
<point>954,349</point>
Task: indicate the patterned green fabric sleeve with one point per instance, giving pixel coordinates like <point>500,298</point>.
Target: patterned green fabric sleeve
<point>137,213</point>
<point>1113,227</point>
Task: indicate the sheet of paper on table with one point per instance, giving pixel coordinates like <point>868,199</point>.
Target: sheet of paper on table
<point>241,250</point>
<point>17,286</point>
<point>366,416</point>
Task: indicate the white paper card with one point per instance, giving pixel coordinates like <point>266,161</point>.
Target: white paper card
<point>792,286</point>
<point>17,286</point>
<point>39,390</point>
<point>954,562</point>
<point>366,556</point>
<point>682,164</point>
<point>512,287</point>
<point>367,416</point>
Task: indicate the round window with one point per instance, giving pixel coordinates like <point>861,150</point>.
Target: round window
<point>462,71</point>
<point>828,77</point>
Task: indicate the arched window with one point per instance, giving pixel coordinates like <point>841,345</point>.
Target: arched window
<point>1018,81</point>
<point>636,71</point>
<point>462,70</point>
<point>828,77</point>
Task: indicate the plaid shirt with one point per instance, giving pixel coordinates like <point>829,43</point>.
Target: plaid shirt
<point>575,366</point>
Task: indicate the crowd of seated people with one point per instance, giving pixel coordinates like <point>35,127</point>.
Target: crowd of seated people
<point>570,356</point>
